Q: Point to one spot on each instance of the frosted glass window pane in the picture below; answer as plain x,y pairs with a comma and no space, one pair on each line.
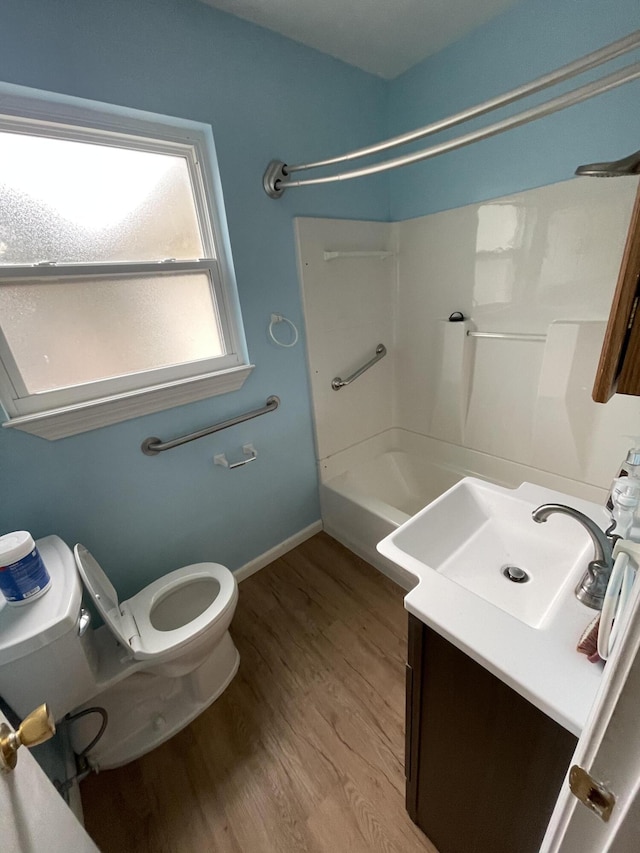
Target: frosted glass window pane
67,202
67,333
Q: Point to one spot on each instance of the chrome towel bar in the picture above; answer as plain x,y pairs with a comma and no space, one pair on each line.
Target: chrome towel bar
507,336
339,383
152,446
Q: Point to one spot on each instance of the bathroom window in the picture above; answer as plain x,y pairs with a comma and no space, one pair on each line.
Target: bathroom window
117,293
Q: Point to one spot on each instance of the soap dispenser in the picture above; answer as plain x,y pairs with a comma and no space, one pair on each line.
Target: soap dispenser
630,467
626,499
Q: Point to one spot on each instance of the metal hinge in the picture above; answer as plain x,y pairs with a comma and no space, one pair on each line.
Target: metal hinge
593,794
129,626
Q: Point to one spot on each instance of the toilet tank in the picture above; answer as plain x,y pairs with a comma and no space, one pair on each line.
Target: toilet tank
43,657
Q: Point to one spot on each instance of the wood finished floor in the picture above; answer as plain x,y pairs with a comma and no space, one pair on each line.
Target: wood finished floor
304,750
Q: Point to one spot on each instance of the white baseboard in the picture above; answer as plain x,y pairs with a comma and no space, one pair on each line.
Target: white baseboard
272,554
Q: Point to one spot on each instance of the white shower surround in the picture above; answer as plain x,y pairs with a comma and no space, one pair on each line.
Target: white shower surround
543,261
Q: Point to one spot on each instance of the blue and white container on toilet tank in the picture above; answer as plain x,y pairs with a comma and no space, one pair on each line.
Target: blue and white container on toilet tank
23,575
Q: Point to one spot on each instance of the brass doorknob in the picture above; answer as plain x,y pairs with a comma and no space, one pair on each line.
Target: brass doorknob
33,730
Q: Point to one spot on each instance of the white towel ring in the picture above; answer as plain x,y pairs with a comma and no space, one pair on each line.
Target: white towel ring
278,318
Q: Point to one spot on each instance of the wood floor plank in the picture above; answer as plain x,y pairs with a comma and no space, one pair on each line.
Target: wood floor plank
304,751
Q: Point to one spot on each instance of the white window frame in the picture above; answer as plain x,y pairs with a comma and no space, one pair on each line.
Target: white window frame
68,411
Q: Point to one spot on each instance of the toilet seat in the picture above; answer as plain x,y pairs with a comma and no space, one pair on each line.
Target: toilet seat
152,642
131,621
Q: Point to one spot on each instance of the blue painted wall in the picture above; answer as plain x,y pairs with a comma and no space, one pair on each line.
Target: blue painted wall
529,40
265,97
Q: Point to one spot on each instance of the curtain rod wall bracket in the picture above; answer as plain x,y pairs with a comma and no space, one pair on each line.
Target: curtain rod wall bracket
274,178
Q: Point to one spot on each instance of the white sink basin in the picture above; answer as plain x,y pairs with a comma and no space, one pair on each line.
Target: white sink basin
524,633
476,530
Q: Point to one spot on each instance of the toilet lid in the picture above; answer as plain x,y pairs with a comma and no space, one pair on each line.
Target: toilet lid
131,621
102,592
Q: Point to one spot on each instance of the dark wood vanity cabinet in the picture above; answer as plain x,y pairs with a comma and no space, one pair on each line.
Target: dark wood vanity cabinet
483,765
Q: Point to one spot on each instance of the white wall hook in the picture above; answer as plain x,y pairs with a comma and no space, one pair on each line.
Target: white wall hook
248,450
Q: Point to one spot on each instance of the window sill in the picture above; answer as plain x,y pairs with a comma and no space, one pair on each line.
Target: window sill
82,417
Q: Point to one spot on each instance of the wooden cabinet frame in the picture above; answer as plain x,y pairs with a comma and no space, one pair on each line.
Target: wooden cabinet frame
619,367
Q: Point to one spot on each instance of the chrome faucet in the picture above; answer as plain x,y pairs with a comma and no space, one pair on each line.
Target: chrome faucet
593,584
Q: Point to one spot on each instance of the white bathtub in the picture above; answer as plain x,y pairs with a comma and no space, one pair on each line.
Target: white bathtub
362,505
368,490
375,495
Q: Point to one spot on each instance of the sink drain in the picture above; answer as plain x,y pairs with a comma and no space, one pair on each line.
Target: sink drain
515,574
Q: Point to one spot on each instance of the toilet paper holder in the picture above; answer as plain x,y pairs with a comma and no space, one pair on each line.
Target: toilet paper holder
248,450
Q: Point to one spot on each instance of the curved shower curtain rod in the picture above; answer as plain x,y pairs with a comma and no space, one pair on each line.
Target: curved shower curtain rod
275,179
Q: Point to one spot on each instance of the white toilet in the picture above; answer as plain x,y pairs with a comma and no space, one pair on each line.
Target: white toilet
158,661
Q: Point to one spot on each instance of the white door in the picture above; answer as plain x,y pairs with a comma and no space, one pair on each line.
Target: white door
609,750
33,816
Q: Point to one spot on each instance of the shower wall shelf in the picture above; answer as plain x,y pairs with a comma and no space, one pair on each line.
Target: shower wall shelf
332,256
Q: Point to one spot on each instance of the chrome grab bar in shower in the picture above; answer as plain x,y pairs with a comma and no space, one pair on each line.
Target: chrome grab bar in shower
152,446
339,383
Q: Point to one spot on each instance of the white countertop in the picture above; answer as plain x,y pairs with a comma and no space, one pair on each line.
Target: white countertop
542,663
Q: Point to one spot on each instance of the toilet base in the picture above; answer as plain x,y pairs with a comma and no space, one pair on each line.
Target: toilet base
146,709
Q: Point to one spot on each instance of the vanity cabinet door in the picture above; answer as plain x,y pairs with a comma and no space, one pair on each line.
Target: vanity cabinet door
484,765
